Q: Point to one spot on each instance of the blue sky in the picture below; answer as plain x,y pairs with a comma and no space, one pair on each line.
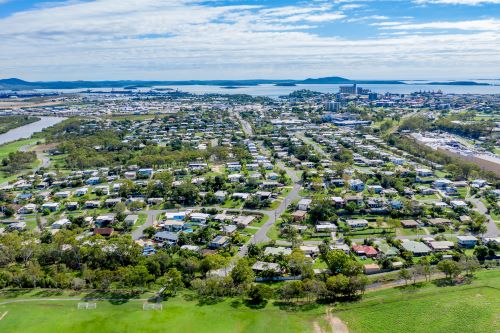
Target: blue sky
211,39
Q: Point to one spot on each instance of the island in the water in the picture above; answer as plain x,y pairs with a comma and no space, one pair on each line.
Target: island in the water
18,84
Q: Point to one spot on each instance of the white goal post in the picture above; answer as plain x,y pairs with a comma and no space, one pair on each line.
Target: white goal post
86,306
152,306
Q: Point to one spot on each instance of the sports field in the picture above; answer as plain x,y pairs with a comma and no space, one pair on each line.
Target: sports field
177,316
467,308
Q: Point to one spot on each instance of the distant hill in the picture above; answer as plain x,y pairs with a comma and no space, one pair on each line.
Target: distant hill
18,84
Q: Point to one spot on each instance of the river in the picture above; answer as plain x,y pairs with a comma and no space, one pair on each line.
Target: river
27,131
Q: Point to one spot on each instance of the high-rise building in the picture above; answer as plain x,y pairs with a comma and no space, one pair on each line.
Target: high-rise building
348,89
332,106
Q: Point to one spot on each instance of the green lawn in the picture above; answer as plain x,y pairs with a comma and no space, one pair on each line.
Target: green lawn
178,315
8,148
14,146
469,308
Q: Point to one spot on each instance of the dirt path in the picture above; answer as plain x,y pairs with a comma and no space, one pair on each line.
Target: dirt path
3,315
336,325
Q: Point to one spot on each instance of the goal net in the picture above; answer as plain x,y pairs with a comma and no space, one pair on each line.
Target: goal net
152,306
86,306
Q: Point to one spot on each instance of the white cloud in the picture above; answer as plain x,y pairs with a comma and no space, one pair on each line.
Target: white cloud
185,39
473,25
351,6
458,2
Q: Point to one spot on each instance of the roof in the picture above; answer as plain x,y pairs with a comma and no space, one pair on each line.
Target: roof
104,231
415,247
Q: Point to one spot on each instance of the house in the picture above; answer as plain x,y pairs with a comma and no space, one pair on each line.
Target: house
51,206
73,205
27,209
178,216
458,204
365,250
441,245
304,204
273,176
467,241
310,250
417,248
338,201
442,183
357,223
439,221
357,199
200,218
386,249
112,202
409,224
326,227
356,185
81,191
261,266
145,173
340,247
93,181
263,195
19,226
233,166
423,172
371,268
299,215
59,224
62,194
92,204
172,225
219,242
220,195
193,248
241,196
375,189
235,177
229,229
243,221
131,219
166,237
276,251
104,220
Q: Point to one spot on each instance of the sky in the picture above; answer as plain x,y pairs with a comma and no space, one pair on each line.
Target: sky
251,39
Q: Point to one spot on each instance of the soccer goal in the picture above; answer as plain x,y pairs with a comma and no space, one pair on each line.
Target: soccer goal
152,306
86,306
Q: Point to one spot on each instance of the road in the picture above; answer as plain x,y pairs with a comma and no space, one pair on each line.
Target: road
45,161
310,142
492,228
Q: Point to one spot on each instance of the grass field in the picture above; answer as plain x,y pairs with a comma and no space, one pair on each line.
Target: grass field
425,308
470,308
178,315
8,148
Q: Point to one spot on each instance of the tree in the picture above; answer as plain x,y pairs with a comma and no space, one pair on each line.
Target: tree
340,263
337,286
405,275
469,264
213,261
149,232
450,268
242,274
34,272
299,264
171,281
481,252
259,293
